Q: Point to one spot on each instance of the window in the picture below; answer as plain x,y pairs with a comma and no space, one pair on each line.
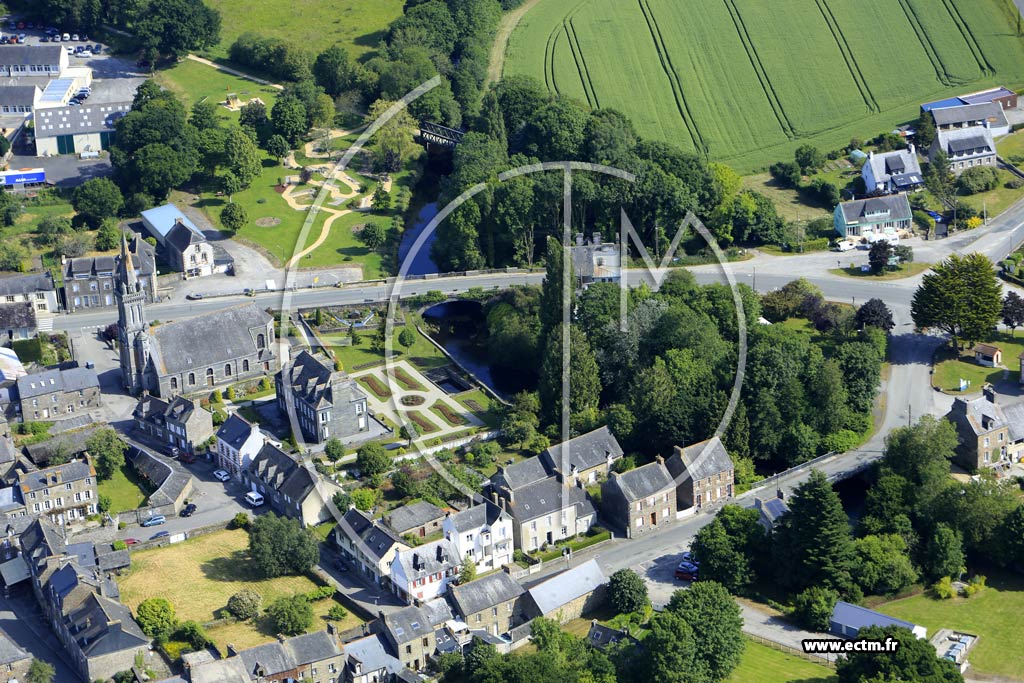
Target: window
174,383
191,378
35,507
261,341
67,487
245,366
479,618
227,370
639,521
494,611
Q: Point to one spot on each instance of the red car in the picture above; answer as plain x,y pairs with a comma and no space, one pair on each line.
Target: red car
131,541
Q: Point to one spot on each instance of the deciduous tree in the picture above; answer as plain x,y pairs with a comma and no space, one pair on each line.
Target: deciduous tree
279,546
96,200
717,626
291,615
373,458
107,451
627,592
156,617
876,313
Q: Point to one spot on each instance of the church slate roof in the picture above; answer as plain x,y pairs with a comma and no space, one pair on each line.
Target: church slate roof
209,340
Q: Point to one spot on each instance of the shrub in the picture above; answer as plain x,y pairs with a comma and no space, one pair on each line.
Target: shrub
155,617
245,604
786,173
336,613
977,179
120,545
320,593
976,586
291,615
943,589
813,608
240,521
1014,184
193,634
104,503
121,526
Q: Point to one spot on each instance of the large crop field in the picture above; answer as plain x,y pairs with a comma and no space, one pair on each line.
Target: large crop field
747,81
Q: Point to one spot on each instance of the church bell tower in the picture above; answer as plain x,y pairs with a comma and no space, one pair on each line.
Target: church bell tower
132,327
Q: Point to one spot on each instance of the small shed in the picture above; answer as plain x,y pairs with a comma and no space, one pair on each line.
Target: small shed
848,619
988,355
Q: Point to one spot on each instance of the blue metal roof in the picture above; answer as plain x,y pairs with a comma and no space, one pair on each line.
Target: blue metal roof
163,218
57,89
855,616
942,104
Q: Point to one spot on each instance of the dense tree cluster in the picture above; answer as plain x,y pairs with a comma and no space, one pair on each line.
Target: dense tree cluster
279,546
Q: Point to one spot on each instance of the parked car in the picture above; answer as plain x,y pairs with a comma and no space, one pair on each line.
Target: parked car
193,297
689,557
85,54
44,39
131,541
188,510
66,36
687,571
74,103
70,50
155,520
254,499
74,36
97,48
159,534
221,475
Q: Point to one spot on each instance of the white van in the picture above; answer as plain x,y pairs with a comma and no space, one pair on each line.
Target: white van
845,245
254,499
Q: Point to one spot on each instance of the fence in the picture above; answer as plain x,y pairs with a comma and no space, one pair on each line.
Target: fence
823,660
792,470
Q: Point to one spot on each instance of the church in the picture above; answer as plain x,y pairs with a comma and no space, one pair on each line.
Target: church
188,356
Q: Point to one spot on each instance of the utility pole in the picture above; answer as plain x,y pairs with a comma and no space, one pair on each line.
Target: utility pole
910,415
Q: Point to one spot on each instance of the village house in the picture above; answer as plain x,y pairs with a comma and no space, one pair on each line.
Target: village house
862,218
771,510
704,473
988,355
35,288
989,434
90,281
185,246
57,393
293,488
238,442
595,261
178,423
17,321
62,493
14,661
640,500
568,595
315,657
492,603
420,519
367,660
326,403
965,147
888,172
424,572
370,547
583,459
483,534
413,632
984,114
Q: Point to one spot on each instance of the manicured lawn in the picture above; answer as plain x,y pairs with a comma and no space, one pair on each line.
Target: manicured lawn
480,403
199,575
949,369
903,271
1011,145
788,202
422,353
315,25
994,615
193,81
125,489
762,664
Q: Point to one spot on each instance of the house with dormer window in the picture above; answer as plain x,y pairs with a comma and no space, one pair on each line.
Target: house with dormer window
873,216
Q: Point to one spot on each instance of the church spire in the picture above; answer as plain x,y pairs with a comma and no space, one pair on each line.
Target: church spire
127,275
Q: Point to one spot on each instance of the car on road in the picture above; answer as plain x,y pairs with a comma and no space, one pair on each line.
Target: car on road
194,297
159,534
154,521
254,499
687,571
131,541
188,510
174,452
221,475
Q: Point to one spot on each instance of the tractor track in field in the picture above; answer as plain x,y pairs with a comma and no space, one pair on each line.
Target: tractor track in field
848,57
549,60
673,78
580,59
969,38
762,73
926,44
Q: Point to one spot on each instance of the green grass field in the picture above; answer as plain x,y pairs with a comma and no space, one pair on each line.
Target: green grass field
357,25
125,490
950,369
994,615
193,81
762,664
775,75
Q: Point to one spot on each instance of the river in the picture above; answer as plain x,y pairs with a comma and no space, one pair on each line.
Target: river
422,263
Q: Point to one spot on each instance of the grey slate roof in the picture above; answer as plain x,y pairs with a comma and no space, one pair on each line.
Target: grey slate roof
71,442
153,409
373,654
429,558
27,55
859,617
521,473
979,414
964,139
270,659
701,460
313,379
1014,415
563,588
892,208
10,652
26,284
970,113
312,647
547,496
281,472
50,381
481,594
181,237
890,165
75,470
477,516
211,339
642,482
95,118
412,622
376,539
18,95
230,670
406,518
235,430
108,625
583,452
18,316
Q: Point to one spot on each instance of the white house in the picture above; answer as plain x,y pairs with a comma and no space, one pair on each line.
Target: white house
897,171
482,533
965,147
238,442
425,572
185,245
33,60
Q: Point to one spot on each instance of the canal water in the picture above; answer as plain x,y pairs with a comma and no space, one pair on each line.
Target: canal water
422,263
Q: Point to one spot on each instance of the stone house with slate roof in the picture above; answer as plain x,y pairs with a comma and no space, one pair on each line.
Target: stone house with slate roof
90,281
367,660
192,355
424,572
704,473
35,288
569,594
640,500
897,171
327,403
967,115
178,423
17,321
412,632
965,147
492,603
14,661
483,533
62,493
872,216
238,442
989,434
421,519
771,510
293,488
587,457
369,546
185,246
58,393
315,657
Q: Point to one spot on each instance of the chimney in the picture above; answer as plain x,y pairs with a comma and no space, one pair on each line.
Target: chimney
597,239
780,494
579,239
232,652
871,155
416,561
494,497
910,147
758,503
332,630
989,392
660,460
